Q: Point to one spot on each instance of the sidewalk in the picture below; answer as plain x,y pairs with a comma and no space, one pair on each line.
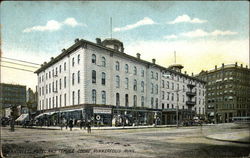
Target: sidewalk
237,137
99,128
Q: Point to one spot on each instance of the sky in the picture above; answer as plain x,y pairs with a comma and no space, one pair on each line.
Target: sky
203,34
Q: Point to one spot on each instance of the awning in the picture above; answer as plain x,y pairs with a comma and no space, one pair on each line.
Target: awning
42,114
70,110
22,117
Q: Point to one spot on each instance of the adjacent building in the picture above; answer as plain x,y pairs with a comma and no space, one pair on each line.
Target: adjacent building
227,91
12,95
100,82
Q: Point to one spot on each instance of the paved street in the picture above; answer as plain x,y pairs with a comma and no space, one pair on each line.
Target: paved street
187,142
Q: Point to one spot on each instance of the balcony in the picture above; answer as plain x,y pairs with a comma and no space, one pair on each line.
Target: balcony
190,103
191,86
191,94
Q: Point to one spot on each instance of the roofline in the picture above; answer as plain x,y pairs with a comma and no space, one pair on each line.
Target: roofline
82,43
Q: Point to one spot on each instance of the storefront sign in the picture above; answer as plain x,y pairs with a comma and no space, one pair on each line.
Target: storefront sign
100,110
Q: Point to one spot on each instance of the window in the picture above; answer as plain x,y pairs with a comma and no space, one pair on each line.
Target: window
78,59
60,84
177,97
156,103
142,73
152,102
163,95
103,97
73,78
126,100
135,100
73,98
178,86
135,85
60,100
142,86
142,101
103,78
156,89
60,68
64,66
49,103
78,76
172,96
53,102
53,73
167,84
103,62
50,88
172,86
56,85
46,89
93,58
78,96
183,98
126,83
152,88
64,81
117,81
135,70
53,87
49,74
73,61
126,68
162,106
117,66
94,96
93,76
117,99
65,99
46,76
156,76
162,84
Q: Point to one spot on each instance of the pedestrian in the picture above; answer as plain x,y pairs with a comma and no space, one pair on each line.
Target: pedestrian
70,124
89,126
81,124
67,123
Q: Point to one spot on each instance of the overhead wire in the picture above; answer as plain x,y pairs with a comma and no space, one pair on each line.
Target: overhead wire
20,60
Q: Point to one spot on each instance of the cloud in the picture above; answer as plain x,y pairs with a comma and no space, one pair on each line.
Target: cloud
202,33
170,37
144,21
187,19
193,55
53,25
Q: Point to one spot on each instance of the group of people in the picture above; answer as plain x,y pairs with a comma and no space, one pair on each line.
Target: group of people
70,123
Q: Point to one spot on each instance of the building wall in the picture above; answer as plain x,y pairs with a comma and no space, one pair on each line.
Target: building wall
85,66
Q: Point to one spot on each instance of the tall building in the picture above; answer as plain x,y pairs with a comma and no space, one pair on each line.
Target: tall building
12,95
99,81
228,92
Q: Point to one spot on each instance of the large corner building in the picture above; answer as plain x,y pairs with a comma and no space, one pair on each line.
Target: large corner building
99,81
228,92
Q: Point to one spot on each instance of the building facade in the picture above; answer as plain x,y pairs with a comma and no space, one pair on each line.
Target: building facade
228,92
12,96
98,81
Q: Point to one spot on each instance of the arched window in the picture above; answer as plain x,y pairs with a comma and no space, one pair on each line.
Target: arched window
135,100
73,78
126,100
94,96
93,58
93,76
78,76
117,66
73,61
135,85
135,70
117,79
103,62
103,78
142,101
126,68
103,97
117,99
142,86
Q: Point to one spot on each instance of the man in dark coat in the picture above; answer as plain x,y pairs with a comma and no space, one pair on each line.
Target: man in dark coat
70,124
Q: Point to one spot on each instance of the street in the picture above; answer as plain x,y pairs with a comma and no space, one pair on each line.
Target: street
172,142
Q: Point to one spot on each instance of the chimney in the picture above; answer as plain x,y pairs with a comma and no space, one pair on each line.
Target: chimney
98,41
241,65
236,64
138,55
222,65
215,67
192,74
52,58
185,72
153,61
76,40
44,63
246,66
63,50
